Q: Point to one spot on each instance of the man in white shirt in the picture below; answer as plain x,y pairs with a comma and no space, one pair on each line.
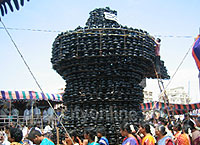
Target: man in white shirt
37,112
45,116
15,114
26,115
24,130
51,115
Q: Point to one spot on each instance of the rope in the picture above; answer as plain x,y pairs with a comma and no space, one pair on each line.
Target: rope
164,88
33,76
178,67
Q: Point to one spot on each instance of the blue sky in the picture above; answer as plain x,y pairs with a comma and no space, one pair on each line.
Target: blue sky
158,17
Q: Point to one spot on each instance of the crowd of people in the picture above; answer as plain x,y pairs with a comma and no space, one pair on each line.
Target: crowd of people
30,115
154,132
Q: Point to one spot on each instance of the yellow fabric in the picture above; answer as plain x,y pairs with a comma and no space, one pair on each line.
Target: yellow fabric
148,140
15,143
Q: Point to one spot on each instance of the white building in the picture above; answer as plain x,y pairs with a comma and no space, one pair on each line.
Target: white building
148,96
177,96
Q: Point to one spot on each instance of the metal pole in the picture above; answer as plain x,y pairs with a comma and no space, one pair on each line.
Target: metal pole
9,111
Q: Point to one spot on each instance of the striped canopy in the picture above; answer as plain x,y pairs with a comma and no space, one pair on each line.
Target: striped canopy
177,108
29,95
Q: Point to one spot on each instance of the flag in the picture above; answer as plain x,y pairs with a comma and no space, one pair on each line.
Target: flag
196,54
196,51
110,16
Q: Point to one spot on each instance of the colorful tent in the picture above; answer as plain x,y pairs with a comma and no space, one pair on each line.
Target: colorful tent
29,95
176,108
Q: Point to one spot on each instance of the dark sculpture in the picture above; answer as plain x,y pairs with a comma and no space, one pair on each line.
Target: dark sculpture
103,65
9,3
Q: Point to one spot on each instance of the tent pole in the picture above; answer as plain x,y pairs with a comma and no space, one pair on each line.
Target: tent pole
9,111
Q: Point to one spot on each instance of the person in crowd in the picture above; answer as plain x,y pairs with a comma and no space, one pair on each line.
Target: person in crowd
89,137
33,127
157,53
177,128
15,136
163,139
135,131
15,114
186,117
12,124
3,140
50,113
169,130
4,112
45,116
26,115
24,130
102,136
37,112
184,138
47,130
71,141
148,139
7,131
37,127
168,127
197,121
126,130
37,138
195,132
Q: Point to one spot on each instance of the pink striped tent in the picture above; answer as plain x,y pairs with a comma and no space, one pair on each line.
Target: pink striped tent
29,95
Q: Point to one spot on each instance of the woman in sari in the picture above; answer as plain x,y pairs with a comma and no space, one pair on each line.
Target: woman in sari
148,139
126,130
164,139
177,128
184,138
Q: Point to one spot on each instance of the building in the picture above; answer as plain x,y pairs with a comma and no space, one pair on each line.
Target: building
177,96
148,96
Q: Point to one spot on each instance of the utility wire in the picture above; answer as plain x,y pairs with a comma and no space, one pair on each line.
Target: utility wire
29,29
59,31
33,76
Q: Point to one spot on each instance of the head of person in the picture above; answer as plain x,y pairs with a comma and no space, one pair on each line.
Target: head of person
177,126
197,121
15,135
35,136
186,129
170,127
126,128
101,132
73,135
190,123
86,133
30,126
2,137
158,40
186,116
12,124
162,121
160,130
89,133
144,128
